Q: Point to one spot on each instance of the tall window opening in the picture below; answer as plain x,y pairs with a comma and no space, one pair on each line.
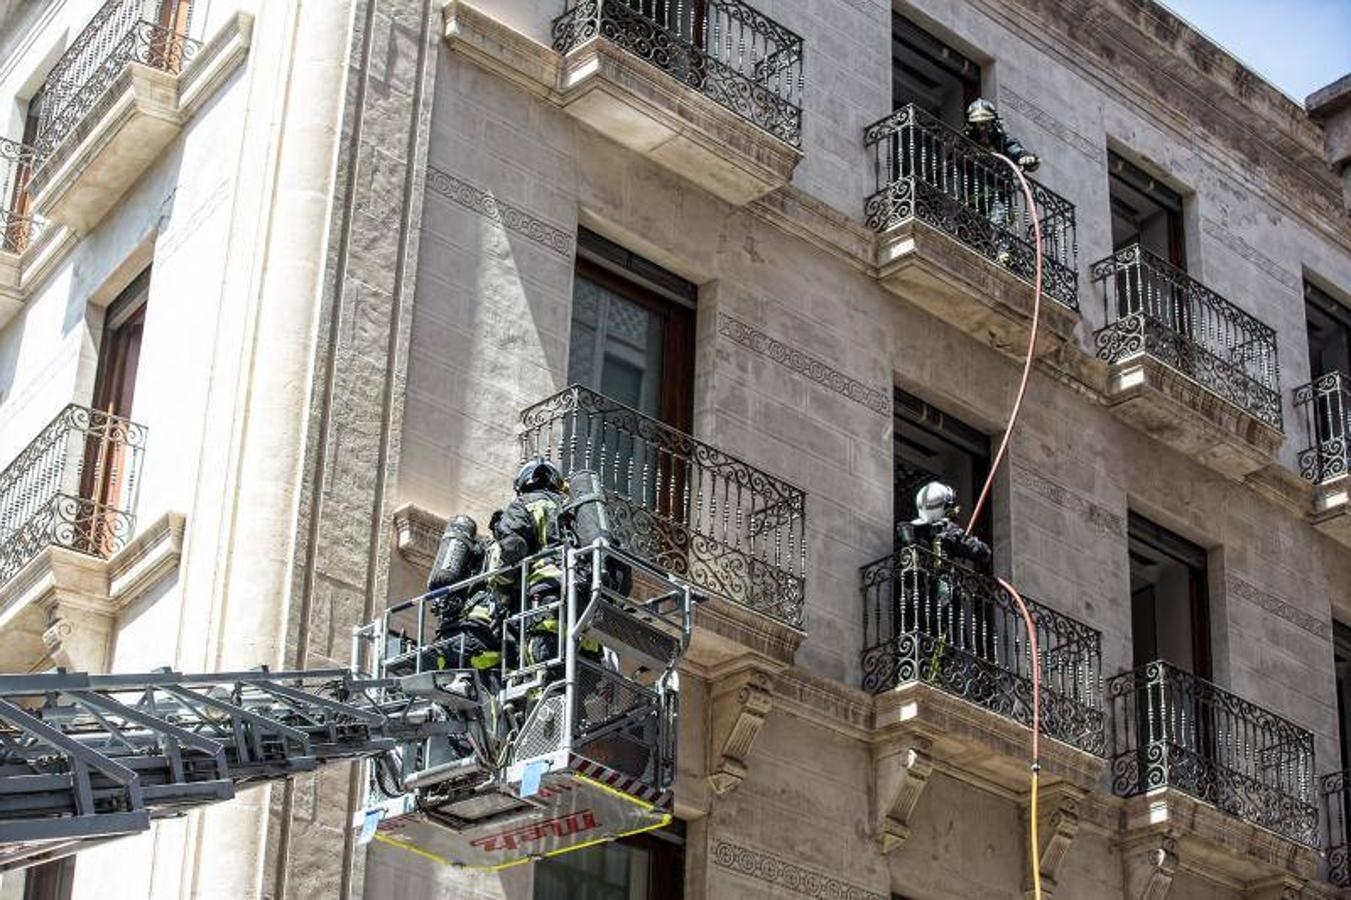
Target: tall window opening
1145,212
632,331
1329,330
1169,603
930,445
928,73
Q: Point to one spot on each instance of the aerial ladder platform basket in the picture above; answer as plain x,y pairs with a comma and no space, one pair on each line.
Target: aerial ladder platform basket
548,755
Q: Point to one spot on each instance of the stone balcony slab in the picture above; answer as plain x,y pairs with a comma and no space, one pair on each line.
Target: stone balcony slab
1179,412
1166,830
142,110
633,102
1332,509
936,272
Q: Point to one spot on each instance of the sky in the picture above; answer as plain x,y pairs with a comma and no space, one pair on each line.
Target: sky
1297,45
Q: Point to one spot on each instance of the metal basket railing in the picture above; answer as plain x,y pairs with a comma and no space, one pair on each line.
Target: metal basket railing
1154,308
926,170
934,620
724,49
19,227
1173,729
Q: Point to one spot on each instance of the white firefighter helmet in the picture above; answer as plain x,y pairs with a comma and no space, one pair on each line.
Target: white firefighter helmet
933,502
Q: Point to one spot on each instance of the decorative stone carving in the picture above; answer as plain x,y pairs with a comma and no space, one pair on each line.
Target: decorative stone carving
901,771
1057,826
1150,868
740,703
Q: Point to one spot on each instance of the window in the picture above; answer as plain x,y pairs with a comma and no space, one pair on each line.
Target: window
649,866
50,880
632,331
103,475
931,445
1341,655
1329,329
1145,212
930,74
1169,603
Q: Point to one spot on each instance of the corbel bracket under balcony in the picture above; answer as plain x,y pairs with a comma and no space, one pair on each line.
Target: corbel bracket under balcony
1057,826
740,702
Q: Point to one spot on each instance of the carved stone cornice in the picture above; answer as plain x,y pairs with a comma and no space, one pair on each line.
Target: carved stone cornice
739,704
1141,54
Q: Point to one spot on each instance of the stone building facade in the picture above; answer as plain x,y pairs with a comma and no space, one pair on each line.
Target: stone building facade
314,276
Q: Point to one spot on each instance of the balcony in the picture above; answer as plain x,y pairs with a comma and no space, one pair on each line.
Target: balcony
116,98
74,486
735,532
1232,781
712,91
18,226
1335,788
956,235
1325,404
1187,366
949,656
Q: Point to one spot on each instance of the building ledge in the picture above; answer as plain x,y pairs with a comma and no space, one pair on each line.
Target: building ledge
61,607
1179,412
940,275
1332,509
141,112
1165,830
633,102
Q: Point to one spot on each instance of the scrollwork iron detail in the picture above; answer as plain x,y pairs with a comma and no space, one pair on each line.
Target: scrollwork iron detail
1172,729
932,620
930,172
702,514
1325,404
731,53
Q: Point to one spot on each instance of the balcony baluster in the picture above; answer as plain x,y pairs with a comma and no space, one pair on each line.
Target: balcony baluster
724,49
697,512
1156,309
925,170
73,486
1173,729
936,621
1326,404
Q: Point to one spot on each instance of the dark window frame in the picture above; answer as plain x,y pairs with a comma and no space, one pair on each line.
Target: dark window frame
663,294
1124,174
924,49
1155,538
1318,303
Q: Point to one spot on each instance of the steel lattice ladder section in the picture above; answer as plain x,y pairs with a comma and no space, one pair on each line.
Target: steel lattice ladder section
88,758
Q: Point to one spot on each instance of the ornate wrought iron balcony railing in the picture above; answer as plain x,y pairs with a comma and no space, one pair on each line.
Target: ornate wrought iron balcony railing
724,49
18,226
925,170
122,32
697,512
1172,729
73,486
933,620
1326,404
1156,309
1335,789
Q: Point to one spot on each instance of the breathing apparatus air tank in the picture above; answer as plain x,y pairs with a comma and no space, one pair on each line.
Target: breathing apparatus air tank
590,521
459,555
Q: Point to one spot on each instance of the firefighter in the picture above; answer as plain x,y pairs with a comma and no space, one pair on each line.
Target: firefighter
528,525
935,530
468,618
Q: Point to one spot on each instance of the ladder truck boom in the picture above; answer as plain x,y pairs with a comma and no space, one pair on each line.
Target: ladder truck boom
541,757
